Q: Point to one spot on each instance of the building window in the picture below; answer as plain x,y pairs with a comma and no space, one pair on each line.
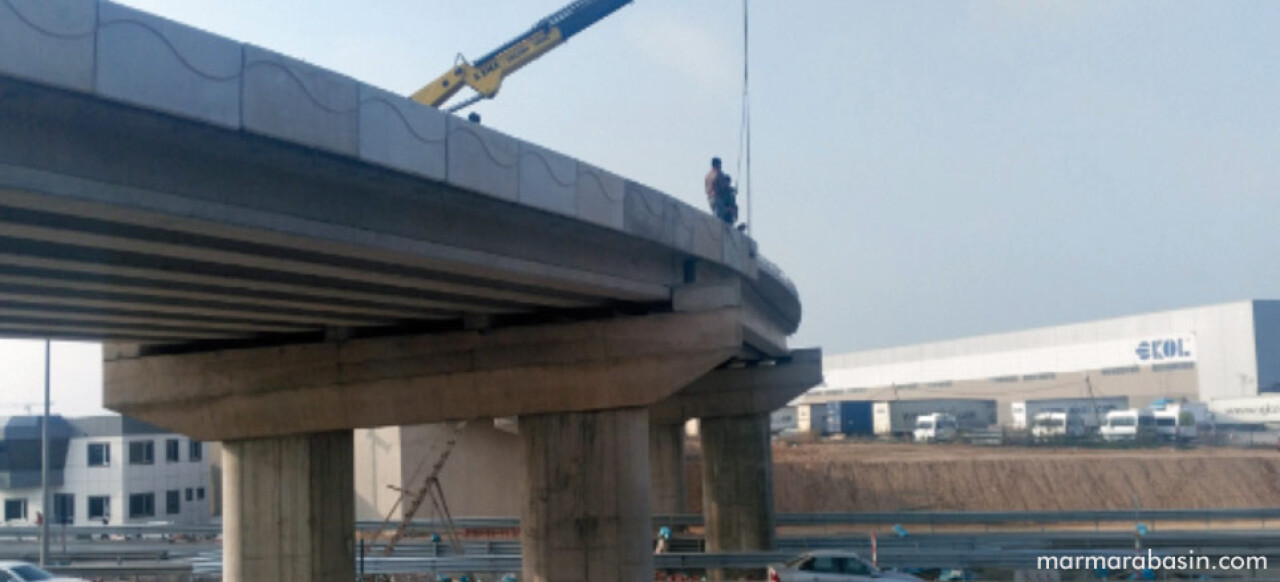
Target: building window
190,494
1172,366
171,449
199,493
142,505
100,508
99,454
173,502
15,509
197,451
1119,371
1004,379
142,453
64,509
1041,376
943,384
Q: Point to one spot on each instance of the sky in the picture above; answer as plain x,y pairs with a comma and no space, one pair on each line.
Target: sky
921,170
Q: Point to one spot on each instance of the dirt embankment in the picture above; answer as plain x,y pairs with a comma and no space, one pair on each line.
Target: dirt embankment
832,477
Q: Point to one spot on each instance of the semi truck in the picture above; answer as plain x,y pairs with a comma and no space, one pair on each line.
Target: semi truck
1181,421
1091,411
783,420
1261,410
850,418
897,418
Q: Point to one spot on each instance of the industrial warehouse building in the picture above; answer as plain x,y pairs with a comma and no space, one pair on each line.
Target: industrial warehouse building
1218,352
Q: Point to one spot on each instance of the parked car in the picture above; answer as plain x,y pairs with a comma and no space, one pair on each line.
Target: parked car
24,572
833,566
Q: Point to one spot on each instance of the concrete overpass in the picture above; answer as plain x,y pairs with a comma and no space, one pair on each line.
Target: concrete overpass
277,254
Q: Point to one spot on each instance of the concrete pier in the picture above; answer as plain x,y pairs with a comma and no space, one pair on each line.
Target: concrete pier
737,487
586,513
289,508
666,466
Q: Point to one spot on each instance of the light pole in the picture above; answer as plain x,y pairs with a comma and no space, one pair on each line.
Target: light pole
44,464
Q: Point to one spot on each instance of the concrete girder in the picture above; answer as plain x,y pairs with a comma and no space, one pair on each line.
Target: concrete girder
403,380
124,281
245,266
734,391
765,331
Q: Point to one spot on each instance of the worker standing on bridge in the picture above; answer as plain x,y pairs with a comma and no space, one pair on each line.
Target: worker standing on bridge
721,194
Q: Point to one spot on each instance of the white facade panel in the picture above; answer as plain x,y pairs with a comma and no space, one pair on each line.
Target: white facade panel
1266,330
1230,369
1138,350
84,481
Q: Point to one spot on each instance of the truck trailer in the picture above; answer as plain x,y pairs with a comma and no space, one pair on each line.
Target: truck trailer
1090,410
850,418
783,420
1257,411
897,418
811,419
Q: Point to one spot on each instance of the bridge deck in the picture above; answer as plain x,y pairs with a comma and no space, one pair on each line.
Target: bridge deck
160,184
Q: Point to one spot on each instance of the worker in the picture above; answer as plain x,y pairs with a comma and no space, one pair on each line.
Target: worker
664,540
721,195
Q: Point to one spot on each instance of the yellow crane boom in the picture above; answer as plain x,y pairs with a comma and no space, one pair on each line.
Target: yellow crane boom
486,74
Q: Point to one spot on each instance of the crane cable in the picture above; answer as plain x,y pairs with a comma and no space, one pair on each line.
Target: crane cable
744,130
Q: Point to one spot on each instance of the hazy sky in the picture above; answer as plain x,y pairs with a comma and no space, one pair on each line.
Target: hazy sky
923,170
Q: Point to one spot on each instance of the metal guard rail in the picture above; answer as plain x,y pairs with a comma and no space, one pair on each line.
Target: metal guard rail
786,519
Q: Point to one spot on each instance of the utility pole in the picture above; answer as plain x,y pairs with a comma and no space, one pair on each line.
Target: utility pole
44,464
1093,401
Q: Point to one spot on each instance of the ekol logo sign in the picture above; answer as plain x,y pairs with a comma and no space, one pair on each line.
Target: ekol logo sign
1162,349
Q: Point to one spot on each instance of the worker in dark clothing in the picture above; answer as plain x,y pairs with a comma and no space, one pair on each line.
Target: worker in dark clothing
721,194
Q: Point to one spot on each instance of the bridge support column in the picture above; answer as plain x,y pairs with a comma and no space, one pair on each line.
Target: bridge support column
737,487
289,508
666,466
586,511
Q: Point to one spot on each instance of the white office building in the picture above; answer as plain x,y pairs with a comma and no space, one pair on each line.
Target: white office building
106,469
1217,352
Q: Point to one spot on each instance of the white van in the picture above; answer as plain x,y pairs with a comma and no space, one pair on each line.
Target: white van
936,427
1174,425
1057,425
1131,424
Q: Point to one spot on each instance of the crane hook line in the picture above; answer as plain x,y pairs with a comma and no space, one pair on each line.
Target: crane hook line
744,131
